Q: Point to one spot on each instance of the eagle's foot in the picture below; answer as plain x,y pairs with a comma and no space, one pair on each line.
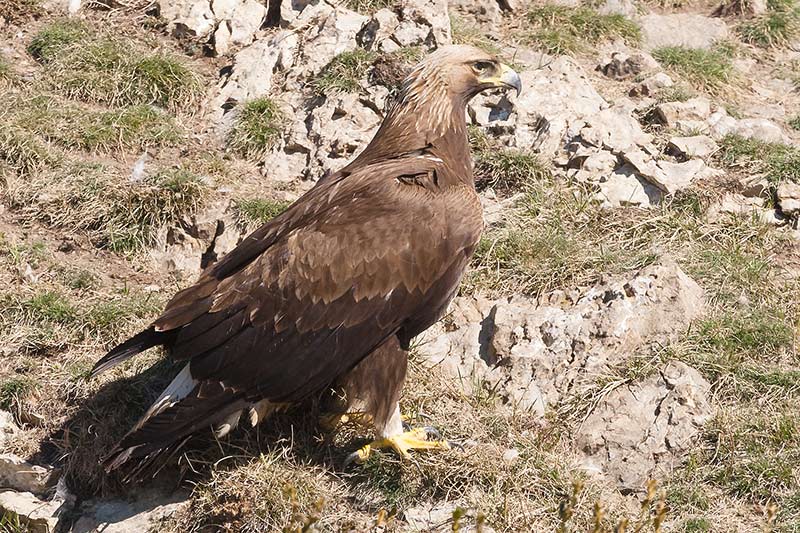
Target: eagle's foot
426,438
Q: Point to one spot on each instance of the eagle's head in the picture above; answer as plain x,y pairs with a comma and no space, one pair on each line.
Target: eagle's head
458,72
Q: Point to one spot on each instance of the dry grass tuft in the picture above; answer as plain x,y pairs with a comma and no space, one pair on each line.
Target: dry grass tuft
112,72
76,126
560,29
53,38
777,162
258,211
710,70
257,129
344,72
20,10
120,215
779,26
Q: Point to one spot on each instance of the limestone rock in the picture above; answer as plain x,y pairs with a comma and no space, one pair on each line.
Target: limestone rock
197,241
743,206
144,513
651,85
237,23
646,426
695,109
533,353
20,475
253,69
430,14
38,516
484,13
695,146
193,18
788,195
624,188
761,129
556,97
681,29
7,428
614,129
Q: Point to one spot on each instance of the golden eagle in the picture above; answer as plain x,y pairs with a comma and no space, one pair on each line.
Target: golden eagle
331,291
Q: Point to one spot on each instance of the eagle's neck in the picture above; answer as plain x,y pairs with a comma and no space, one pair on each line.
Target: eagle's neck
426,120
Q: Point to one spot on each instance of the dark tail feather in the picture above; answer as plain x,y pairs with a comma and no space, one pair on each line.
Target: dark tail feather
136,344
161,435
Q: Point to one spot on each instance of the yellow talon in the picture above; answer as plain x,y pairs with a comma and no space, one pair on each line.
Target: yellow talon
415,439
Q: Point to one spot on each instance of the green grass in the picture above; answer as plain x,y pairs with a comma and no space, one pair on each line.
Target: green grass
259,210
13,388
367,7
779,26
696,525
560,29
344,72
794,122
756,456
75,126
6,72
53,38
710,70
117,214
508,171
116,73
777,162
23,152
257,128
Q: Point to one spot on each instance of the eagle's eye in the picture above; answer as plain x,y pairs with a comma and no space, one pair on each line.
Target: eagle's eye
481,67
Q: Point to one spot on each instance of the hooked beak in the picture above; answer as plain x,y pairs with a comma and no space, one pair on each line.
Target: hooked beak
507,77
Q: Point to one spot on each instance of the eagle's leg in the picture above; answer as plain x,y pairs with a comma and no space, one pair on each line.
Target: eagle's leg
372,389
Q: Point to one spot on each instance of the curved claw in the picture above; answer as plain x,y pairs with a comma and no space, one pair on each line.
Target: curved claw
432,433
457,445
357,457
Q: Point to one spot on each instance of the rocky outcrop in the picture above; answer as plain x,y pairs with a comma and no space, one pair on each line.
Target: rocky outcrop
534,352
645,428
537,355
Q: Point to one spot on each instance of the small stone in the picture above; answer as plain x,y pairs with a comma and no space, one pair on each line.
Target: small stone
694,109
510,455
788,195
695,146
650,85
38,516
20,475
760,129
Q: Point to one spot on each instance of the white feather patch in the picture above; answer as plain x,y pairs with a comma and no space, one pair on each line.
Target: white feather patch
178,389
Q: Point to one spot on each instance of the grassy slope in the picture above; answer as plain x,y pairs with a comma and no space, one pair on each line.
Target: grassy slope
73,284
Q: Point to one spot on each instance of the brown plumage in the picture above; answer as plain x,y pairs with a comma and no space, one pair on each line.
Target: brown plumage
332,290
